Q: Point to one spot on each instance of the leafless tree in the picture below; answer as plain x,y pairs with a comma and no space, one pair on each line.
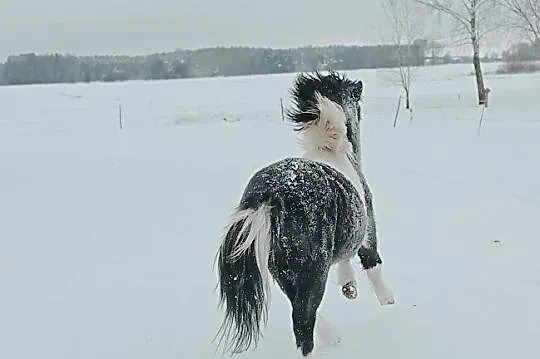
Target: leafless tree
474,20
404,26
526,16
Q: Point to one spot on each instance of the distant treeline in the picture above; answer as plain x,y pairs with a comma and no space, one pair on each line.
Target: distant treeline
221,61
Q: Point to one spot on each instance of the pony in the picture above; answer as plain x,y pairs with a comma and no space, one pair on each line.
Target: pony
300,216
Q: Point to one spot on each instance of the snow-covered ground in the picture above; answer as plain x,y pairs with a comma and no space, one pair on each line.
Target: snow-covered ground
107,237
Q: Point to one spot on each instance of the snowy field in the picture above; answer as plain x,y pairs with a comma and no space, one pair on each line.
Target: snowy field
107,236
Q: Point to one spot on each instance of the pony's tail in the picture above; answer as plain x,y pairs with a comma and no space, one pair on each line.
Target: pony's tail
328,131
244,281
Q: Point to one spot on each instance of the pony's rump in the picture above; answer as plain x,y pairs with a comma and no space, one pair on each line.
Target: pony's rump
300,216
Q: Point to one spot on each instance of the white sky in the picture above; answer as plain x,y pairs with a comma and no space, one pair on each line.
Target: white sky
145,26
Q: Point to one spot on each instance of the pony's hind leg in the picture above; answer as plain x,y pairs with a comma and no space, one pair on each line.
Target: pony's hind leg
305,290
346,279
372,263
304,314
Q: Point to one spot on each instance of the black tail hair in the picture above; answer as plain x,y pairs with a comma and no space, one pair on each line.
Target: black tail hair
241,291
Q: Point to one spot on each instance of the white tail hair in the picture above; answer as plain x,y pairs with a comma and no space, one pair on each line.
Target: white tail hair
328,131
258,226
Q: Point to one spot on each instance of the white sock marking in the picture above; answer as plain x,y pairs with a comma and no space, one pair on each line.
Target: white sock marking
345,273
383,293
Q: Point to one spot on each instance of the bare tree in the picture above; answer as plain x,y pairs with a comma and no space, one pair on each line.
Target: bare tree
404,25
473,20
526,16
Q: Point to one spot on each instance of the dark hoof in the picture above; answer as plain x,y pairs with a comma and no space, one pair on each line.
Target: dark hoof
349,290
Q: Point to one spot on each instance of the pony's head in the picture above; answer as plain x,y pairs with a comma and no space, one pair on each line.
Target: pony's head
309,89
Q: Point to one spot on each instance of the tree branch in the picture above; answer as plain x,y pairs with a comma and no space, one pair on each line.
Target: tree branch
438,6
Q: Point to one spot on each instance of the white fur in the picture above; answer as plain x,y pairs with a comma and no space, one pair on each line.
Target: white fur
257,223
327,133
383,293
325,140
345,273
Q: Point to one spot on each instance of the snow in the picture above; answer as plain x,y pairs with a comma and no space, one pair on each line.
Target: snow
107,237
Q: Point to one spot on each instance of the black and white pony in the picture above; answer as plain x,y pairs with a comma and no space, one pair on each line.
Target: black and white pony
300,216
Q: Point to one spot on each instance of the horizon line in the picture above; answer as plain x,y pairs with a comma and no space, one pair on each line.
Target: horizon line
193,49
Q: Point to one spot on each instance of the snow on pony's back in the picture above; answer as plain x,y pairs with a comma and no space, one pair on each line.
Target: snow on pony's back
324,218
327,115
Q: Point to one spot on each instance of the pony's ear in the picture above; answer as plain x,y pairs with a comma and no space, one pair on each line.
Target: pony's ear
357,88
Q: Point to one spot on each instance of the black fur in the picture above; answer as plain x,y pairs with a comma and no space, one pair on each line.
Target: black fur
334,86
242,294
317,219
337,88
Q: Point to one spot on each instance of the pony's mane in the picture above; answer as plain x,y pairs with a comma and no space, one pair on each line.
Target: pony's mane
307,90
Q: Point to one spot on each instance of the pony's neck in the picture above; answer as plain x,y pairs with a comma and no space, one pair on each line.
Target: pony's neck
354,152
356,160
344,161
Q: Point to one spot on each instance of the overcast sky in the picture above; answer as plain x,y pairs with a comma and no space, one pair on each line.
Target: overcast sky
141,26
144,26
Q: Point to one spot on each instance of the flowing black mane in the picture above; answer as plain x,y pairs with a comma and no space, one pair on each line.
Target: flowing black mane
334,86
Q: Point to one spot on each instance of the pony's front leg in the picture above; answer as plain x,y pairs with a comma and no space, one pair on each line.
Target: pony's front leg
372,263
346,279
